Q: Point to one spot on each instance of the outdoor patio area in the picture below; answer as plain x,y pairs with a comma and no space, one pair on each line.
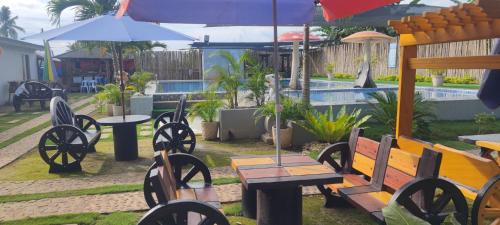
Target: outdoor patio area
314,113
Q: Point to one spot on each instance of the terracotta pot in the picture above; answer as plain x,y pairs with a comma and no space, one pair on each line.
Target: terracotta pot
209,130
437,80
117,110
285,137
109,109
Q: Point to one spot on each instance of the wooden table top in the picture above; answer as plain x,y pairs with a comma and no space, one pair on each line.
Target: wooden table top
261,172
489,141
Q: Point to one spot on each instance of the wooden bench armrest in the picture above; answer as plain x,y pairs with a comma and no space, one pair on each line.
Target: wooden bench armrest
495,146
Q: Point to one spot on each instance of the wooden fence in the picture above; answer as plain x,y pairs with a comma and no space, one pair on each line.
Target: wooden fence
171,65
347,57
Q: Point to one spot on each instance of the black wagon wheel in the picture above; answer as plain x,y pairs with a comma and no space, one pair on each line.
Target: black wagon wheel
87,123
334,156
486,207
176,213
63,145
175,137
433,200
186,167
168,117
148,189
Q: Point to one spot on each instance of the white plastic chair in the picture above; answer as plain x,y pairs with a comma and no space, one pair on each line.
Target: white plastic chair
91,85
84,85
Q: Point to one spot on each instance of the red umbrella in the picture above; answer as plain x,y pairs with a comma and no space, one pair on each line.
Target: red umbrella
336,9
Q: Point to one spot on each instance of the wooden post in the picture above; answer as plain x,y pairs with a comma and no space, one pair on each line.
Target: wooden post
305,66
406,91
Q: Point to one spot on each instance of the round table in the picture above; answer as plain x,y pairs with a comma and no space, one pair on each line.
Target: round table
125,135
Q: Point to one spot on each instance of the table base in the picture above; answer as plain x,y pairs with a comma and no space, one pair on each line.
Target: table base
125,142
249,202
279,206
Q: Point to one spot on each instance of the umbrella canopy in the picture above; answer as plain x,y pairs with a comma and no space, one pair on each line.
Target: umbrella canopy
110,28
243,12
297,36
367,36
49,68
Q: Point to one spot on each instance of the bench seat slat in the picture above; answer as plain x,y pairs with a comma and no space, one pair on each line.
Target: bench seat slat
350,180
366,202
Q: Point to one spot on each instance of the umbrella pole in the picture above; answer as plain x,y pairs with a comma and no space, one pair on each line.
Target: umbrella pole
276,84
122,84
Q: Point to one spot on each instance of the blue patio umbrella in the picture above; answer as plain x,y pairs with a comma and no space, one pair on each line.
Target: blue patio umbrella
112,29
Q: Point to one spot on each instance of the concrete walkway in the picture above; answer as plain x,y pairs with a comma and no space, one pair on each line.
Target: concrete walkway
12,152
130,201
10,133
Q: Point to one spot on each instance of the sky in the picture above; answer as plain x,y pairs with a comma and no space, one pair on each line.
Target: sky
33,18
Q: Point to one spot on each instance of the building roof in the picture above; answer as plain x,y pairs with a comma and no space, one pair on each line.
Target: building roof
84,54
20,44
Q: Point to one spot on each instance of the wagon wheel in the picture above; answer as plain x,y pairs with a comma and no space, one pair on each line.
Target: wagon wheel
176,213
329,156
87,123
175,137
185,167
63,145
432,200
149,191
168,117
486,207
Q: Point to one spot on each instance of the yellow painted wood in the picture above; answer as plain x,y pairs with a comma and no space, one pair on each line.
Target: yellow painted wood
471,195
308,170
251,162
465,168
403,161
382,196
363,164
466,62
489,145
406,92
412,145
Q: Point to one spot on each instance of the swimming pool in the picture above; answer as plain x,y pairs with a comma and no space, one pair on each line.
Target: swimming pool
324,92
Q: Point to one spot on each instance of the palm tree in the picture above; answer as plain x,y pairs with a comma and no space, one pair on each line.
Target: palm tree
84,9
8,26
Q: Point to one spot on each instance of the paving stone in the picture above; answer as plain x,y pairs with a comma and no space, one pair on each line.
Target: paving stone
36,113
3,114
146,128
105,136
107,130
13,121
145,133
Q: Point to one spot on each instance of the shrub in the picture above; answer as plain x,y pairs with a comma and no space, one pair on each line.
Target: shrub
330,67
140,80
485,122
291,110
421,78
461,80
388,78
330,128
385,112
343,76
229,79
256,83
207,110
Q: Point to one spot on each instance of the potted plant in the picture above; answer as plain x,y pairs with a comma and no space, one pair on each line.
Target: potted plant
437,77
140,103
290,110
207,110
329,70
113,94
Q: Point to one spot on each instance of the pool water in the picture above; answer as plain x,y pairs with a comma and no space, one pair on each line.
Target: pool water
325,92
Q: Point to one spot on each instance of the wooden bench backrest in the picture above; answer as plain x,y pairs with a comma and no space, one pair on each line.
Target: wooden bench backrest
363,152
38,90
466,169
163,178
413,145
180,108
61,112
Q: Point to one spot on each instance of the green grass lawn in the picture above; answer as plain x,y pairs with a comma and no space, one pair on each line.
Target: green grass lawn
422,84
313,214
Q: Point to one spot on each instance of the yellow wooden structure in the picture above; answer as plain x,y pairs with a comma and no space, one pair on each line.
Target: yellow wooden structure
478,178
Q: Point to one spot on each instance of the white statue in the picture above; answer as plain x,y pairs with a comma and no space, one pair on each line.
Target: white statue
272,87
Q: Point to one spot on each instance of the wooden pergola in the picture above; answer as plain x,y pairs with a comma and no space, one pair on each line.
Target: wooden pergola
465,22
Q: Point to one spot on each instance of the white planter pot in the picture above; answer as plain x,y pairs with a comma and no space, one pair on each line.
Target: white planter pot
209,130
109,109
285,137
437,80
269,123
117,110
141,104
330,76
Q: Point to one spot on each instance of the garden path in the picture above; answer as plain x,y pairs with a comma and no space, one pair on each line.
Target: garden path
130,201
15,150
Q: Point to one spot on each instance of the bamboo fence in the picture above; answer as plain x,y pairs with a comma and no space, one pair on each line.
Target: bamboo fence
171,65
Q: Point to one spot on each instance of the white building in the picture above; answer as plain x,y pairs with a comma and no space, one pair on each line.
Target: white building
17,63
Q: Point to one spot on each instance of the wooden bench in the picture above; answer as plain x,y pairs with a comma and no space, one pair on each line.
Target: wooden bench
32,91
69,140
477,178
173,197
172,131
394,175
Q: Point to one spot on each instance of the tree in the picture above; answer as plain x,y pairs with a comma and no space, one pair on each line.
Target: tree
8,26
84,9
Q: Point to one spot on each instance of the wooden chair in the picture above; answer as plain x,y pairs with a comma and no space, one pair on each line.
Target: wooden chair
174,199
477,178
36,92
172,131
71,137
